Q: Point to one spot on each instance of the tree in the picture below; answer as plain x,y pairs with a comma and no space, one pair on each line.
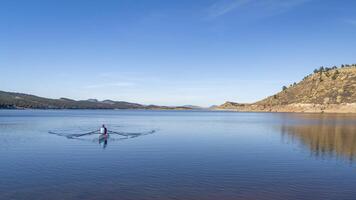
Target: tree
284,87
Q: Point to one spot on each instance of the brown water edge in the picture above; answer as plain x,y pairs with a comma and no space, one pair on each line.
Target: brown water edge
294,108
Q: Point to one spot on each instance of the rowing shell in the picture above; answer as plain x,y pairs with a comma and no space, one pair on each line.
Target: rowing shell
103,137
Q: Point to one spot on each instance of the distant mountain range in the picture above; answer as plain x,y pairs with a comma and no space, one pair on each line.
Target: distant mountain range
11,100
326,90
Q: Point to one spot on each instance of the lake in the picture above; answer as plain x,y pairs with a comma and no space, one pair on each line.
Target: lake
176,155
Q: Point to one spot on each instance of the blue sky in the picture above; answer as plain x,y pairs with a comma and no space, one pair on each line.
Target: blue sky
170,52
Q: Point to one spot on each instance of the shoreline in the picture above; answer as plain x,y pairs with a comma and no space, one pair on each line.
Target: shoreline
346,108
201,110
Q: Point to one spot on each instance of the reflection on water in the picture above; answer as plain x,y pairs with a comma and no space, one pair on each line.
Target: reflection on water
103,140
325,137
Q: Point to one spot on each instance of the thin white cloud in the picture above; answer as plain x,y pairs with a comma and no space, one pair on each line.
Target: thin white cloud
223,7
261,7
105,75
105,85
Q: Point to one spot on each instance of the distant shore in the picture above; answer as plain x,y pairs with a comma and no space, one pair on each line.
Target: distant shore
13,100
169,108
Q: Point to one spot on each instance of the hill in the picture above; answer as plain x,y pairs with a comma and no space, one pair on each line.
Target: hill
11,100
326,90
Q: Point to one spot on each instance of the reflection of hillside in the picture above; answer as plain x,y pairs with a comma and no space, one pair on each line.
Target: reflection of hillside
324,139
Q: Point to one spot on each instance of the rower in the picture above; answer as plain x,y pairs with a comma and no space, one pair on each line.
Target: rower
103,130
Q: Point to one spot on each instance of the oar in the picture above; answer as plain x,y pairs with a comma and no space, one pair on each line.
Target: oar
73,135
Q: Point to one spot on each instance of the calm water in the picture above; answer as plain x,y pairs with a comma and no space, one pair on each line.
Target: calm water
188,155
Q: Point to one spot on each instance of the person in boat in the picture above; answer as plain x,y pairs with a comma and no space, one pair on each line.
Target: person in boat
103,138
103,130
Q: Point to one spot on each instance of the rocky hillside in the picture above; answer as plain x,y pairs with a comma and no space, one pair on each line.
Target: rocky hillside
11,100
230,105
326,90
333,86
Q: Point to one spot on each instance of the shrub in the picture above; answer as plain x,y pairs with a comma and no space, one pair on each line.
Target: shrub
336,73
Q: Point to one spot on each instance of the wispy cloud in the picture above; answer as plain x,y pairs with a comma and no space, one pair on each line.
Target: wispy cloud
223,7
105,85
264,7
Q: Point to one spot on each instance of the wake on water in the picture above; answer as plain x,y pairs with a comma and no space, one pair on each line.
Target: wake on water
94,135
